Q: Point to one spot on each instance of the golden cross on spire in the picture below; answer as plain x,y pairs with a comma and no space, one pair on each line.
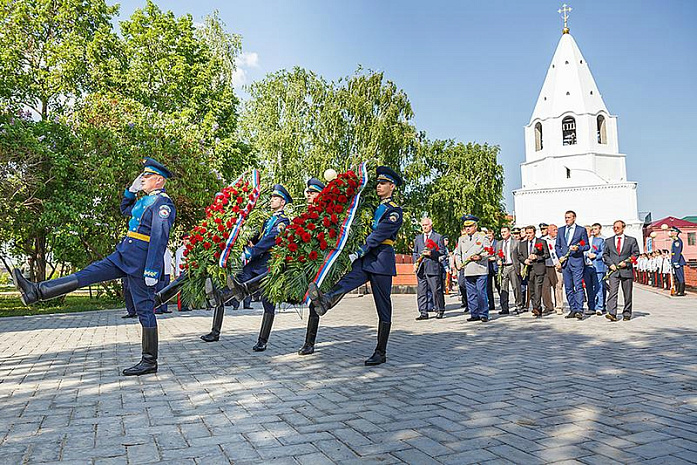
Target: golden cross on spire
564,11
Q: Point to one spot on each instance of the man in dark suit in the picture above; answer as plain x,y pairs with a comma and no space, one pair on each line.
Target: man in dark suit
620,251
532,253
428,271
572,241
509,266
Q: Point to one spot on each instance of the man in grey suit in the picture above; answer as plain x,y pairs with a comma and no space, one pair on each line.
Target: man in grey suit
508,264
428,271
532,253
618,254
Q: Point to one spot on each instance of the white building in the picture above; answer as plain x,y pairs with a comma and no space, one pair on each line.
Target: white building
572,157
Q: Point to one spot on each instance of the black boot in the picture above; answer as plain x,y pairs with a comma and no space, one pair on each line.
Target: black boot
266,324
322,302
218,315
30,292
380,354
148,362
219,296
311,334
247,288
170,290
680,288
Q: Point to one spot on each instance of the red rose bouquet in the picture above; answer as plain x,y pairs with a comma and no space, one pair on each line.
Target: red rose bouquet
231,212
310,246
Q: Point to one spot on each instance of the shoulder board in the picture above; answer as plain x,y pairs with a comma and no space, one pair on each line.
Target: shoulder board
393,204
163,194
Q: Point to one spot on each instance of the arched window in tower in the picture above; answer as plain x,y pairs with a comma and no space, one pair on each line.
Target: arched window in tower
568,130
538,137
602,130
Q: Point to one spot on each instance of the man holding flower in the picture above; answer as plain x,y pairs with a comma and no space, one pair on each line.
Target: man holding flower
572,241
428,248
532,254
620,254
471,256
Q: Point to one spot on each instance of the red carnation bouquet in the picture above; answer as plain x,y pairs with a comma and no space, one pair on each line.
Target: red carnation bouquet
208,239
501,257
581,243
430,245
525,271
302,248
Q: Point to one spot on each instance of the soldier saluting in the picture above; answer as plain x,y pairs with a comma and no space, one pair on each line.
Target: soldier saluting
138,258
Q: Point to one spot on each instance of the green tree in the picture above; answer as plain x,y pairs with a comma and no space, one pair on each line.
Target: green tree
449,179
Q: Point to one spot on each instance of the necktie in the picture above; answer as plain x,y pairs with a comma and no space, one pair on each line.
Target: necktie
505,247
566,234
619,245
529,247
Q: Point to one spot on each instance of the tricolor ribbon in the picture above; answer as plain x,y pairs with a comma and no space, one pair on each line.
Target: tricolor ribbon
332,256
237,228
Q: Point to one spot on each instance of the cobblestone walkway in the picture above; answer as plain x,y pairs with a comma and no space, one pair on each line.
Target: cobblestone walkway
514,390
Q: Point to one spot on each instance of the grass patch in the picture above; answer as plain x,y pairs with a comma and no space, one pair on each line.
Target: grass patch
10,305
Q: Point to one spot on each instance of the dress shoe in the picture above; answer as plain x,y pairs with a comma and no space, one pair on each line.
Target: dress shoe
598,312
130,316
463,305
536,312
626,318
570,315
504,312
260,346
579,316
421,317
473,318
484,319
611,317
210,337
440,315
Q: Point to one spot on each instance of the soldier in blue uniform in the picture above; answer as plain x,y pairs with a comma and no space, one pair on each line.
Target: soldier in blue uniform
138,258
256,257
677,260
374,261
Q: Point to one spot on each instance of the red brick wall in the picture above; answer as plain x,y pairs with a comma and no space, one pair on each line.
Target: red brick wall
691,276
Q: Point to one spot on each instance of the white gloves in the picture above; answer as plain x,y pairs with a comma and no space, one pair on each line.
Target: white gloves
353,257
243,258
137,184
150,282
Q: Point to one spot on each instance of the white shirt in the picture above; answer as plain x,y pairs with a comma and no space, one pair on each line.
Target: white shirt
179,260
168,268
570,230
623,239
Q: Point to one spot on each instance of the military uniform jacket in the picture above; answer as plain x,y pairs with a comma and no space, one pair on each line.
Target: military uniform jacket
142,251
259,254
378,253
467,246
676,257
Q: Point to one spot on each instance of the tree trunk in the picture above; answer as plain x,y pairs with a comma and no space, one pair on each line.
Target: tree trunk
39,264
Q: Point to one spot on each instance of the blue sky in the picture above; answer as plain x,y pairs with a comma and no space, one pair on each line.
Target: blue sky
473,69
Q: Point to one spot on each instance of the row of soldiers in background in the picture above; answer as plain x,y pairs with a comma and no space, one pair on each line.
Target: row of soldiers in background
662,268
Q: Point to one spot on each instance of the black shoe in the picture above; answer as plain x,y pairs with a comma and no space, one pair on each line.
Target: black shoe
463,305
421,317
307,349
130,316
570,315
322,302
626,318
611,317
473,318
536,312
264,332
210,337
148,362
579,316
440,315
484,319
504,312
379,356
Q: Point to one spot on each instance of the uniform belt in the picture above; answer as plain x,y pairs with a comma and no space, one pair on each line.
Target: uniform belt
387,242
139,236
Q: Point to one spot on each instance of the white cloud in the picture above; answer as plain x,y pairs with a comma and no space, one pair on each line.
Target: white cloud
244,62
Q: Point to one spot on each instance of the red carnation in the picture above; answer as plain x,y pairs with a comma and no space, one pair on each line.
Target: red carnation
320,236
582,242
293,247
204,224
501,254
279,239
221,246
432,245
306,237
314,215
239,200
335,219
206,245
539,247
350,191
301,258
186,252
332,233
311,226
251,196
313,255
216,255
289,258
343,199
216,239
199,237
323,245
226,235
326,222
221,228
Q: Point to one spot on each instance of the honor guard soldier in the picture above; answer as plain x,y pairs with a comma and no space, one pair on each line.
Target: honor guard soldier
255,259
138,258
314,187
374,261
678,261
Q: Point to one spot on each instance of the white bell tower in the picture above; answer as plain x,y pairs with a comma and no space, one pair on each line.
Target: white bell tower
572,158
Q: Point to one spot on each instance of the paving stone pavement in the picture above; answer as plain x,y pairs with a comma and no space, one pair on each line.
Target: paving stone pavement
514,390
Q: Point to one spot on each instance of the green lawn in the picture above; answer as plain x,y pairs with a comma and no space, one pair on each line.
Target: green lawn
10,305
